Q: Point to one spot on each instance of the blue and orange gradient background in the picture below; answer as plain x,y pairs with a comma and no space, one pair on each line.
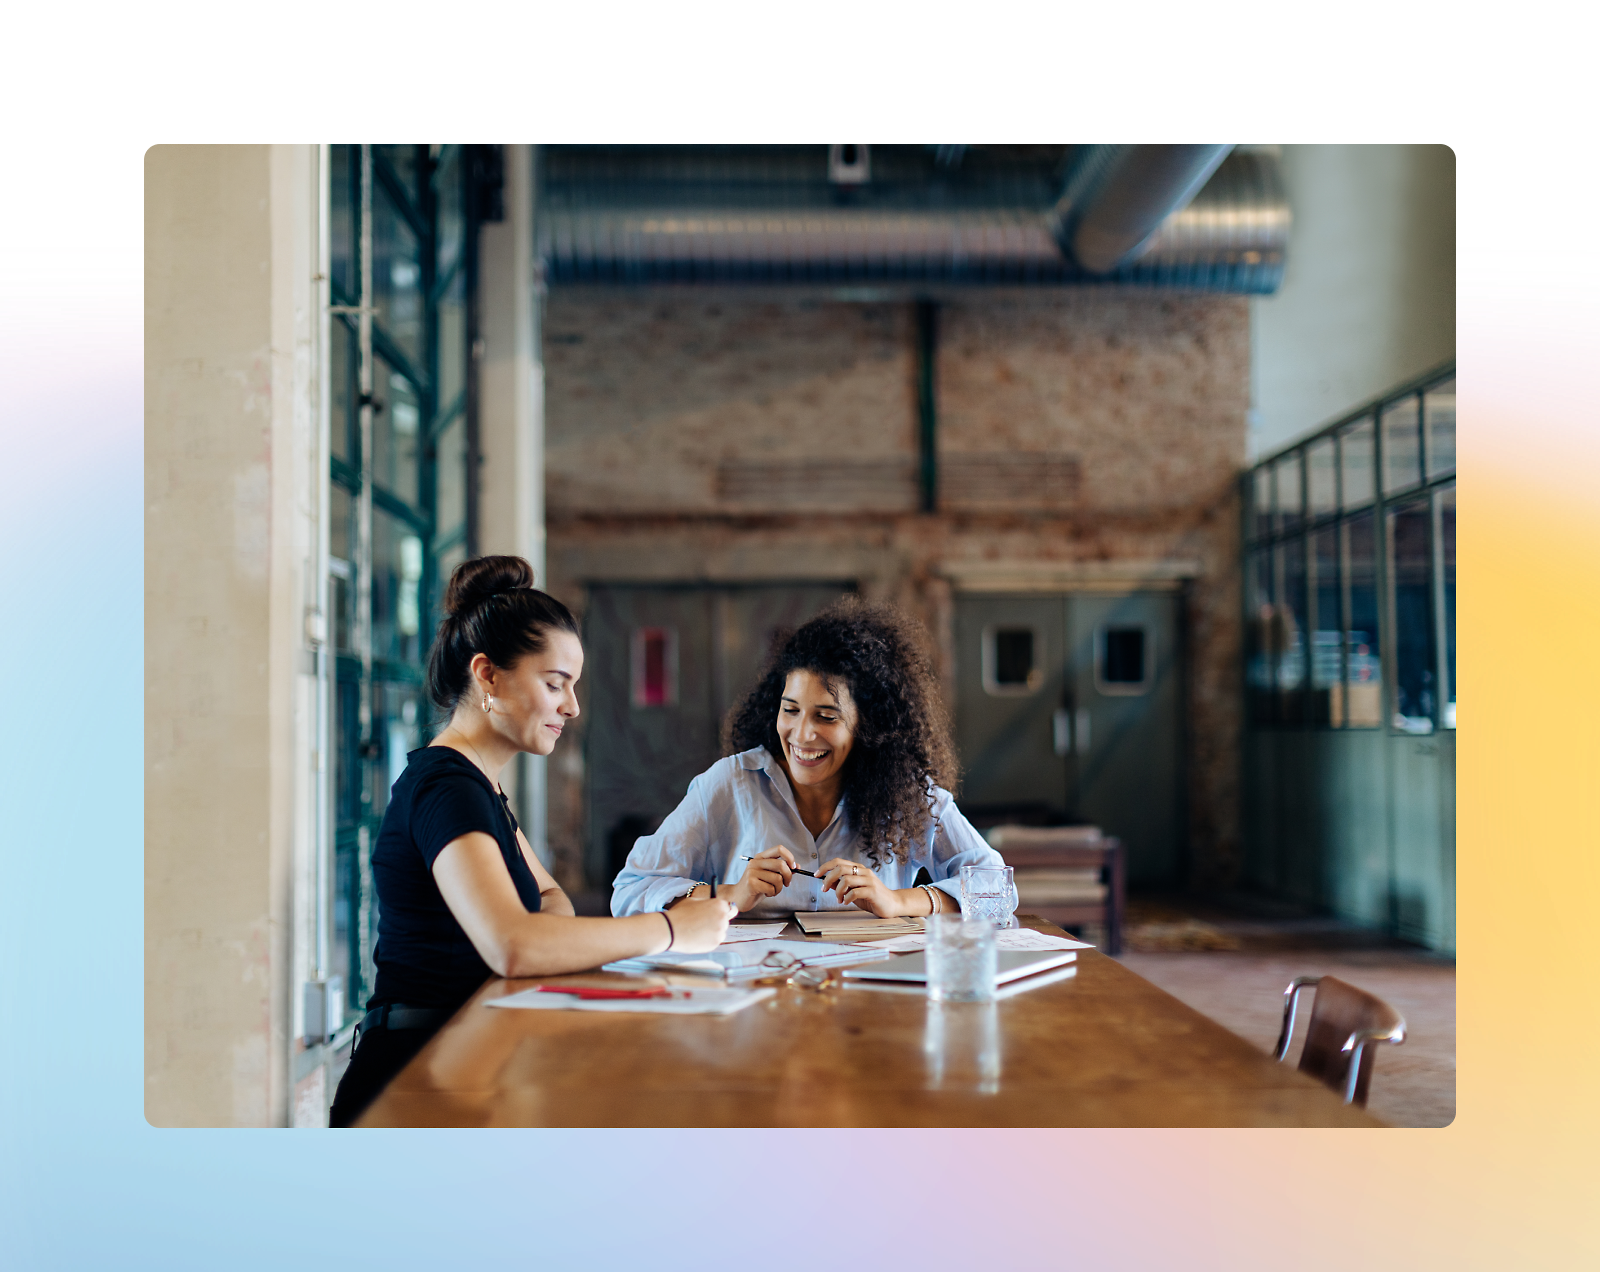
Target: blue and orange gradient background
86,1183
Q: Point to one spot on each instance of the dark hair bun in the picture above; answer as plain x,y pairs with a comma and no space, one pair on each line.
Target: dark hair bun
491,608
477,580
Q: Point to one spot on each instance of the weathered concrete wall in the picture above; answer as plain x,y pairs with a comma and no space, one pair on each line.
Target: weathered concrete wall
727,435
1369,290
230,494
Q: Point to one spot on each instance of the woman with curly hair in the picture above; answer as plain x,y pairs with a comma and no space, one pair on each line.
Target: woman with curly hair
835,794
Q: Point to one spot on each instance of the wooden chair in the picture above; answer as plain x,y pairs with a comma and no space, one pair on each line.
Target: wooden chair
1028,848
1344,1020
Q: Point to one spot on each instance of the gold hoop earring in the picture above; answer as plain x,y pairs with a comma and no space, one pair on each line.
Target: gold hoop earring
487,702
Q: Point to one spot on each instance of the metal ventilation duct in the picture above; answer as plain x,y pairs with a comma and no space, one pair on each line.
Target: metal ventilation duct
1118,196
928,215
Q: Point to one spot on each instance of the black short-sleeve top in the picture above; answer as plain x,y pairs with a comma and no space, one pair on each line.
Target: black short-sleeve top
423,957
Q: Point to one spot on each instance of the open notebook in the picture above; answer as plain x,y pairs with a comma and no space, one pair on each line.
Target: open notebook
744,961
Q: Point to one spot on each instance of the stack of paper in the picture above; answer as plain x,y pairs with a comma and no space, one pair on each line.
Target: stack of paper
744,960
852,925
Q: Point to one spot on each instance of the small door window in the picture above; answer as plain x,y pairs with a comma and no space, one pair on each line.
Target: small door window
1012,660
655,666
1124,659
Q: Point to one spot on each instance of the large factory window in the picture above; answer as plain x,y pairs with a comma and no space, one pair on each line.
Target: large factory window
401,277
1349,580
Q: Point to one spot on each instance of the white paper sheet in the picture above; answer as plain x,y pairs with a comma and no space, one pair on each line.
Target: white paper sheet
714,1001
752,932
1028,939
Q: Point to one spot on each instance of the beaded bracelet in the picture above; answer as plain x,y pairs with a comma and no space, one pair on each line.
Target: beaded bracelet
933,901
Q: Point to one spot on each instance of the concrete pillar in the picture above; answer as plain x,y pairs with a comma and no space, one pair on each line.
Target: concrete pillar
233,472
511,423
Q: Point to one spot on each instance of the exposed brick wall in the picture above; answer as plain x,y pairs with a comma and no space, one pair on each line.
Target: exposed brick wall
721,434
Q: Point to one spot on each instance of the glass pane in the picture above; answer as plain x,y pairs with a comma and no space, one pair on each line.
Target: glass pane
402,161
1289,494
347,768
1260,657
450,452
344,902
1447,553
344,196
1362,704
344,390
395,421
1261,512
341,566
342,526
347,750
1326,672
1440,408
1355,460
449,556
1013,656
398,722
396,590
451,318
1123,663
396,276
1411,578
450,229
1321,475
1290,633
1402,452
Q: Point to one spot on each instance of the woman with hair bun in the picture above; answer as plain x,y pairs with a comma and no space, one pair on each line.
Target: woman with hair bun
461,895
841,764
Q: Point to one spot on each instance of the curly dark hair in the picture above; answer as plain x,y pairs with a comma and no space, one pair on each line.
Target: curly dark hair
901,748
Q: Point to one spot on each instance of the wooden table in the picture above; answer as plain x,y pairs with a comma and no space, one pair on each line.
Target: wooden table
1101,1048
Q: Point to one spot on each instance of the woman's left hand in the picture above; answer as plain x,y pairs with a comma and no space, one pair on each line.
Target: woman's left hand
855,884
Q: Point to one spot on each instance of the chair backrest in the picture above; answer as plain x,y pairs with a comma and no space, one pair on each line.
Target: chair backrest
1344,1022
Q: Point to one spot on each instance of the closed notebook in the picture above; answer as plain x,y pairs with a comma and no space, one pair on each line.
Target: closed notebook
1010,965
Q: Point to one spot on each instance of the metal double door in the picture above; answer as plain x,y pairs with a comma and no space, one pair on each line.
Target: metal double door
1069,709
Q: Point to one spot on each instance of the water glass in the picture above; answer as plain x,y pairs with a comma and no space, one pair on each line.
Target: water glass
960,958
989,894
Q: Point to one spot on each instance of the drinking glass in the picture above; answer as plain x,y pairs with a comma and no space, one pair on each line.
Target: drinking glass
989,894
960,958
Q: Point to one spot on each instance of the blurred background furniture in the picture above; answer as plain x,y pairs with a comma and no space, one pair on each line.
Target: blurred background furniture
1067,875
1344,1020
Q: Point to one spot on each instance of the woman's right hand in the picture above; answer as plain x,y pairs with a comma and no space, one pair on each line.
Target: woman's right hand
699,925
765,875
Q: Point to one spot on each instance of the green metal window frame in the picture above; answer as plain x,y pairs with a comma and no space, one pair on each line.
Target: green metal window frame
414,182
1289,527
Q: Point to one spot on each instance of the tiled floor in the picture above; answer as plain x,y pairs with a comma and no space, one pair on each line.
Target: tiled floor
1242,989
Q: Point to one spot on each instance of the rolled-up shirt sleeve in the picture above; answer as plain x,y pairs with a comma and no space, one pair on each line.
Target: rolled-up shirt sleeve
665,865
953,844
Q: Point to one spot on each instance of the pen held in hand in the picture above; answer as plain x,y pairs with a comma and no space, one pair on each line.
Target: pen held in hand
792,869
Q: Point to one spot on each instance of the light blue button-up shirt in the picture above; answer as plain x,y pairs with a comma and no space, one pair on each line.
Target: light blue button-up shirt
743,805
